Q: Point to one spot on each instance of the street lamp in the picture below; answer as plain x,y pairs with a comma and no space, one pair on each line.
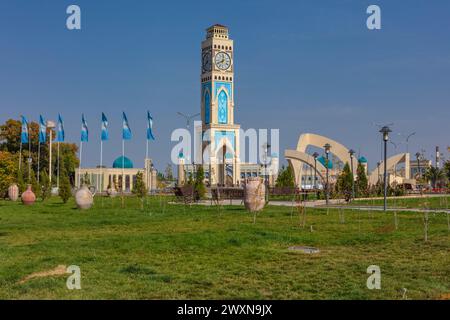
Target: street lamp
378,167
418,164
50,125
315,155
352,153
385,133
266,148
327,148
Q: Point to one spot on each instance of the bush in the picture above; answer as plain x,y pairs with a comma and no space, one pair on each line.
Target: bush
46,188
65,189
199,185
139,188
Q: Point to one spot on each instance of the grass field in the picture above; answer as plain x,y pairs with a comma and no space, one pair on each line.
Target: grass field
177,252
436,202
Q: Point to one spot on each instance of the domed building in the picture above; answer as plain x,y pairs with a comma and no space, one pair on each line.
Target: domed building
102,178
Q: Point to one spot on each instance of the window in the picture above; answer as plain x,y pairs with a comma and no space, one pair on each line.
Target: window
222,107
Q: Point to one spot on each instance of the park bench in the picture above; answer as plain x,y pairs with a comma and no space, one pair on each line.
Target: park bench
227,193
185,194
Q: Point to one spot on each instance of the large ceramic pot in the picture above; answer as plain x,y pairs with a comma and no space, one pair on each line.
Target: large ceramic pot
112,192
254,194
13,192
28,197
84,198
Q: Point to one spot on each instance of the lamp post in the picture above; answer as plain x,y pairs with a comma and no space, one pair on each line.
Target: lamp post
315,155
266,148
327,148
385,133
378,167
419,173
50,125
352,153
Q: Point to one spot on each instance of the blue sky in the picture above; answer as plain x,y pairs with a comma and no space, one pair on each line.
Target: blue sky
301,66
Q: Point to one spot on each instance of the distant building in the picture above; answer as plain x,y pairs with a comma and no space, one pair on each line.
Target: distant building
102,178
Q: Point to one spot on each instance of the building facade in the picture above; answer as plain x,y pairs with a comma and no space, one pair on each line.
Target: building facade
122,170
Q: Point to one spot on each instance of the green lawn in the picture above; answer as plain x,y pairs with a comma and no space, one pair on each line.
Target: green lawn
437,202
177,252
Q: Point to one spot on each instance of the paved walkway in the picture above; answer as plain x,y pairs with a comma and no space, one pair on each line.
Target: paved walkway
336,204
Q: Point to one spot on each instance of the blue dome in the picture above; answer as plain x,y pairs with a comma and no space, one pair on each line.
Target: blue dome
127,163
323,160
362,160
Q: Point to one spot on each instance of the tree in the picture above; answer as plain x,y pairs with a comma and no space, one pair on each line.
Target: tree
447,169
169,172
10,141
434,174
65,189
34,184
8,171
285,178
139,188
45,185
20,182
199,185
361,184
345,182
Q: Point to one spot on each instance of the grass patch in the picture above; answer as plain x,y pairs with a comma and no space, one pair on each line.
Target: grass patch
172,251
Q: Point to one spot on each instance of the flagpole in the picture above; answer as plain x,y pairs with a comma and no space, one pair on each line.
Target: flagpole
38,160
50,167
20,154
123,169
101,166
29,155
147,169
79,166
57,167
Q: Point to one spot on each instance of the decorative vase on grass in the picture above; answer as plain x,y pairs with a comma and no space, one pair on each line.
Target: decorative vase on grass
112,192
254,195
84,198
13,192
28,197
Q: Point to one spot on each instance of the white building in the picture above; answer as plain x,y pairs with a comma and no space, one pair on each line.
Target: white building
122,169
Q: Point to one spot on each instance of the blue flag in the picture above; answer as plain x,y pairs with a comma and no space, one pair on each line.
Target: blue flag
60,136
126,131
42,130
149,127
84,130
105,135
24,133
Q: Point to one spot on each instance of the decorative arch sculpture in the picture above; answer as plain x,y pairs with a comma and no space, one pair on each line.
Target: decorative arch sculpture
299,156
392,163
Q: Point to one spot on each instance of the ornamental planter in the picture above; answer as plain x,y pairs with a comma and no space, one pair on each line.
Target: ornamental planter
28,197
254,195
13,192
111,192
84,198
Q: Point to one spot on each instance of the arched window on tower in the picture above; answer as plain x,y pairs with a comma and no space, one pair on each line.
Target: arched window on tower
222,109
207,102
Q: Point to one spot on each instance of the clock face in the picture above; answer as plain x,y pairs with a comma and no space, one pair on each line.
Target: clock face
206,61
222,61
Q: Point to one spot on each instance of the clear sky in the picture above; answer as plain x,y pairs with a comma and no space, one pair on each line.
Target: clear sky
300,66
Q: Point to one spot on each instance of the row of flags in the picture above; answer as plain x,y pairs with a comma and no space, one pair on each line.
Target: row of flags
60,136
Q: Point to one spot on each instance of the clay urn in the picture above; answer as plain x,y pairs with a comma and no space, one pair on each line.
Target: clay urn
13,192
112,192
84,198
254,194
28,197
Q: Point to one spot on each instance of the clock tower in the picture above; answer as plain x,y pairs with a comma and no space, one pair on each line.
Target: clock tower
220,133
